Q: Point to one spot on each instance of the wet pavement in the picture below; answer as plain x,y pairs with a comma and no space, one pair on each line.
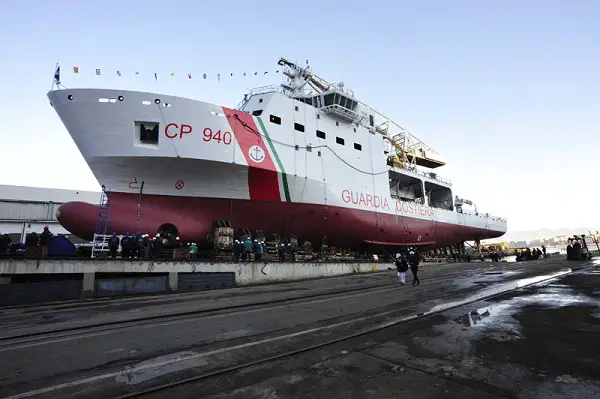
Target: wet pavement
487,349
541,341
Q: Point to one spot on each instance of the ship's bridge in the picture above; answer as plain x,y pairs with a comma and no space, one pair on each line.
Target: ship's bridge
336,102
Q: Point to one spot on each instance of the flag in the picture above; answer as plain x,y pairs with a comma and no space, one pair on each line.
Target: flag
266,73
57,75
255,73
189,75
119,73
155,76
231,74
204,76
75,69
137,73
219,77
97,72
244,73
172,74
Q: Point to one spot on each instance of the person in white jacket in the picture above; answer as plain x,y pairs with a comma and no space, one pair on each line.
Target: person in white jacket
402,266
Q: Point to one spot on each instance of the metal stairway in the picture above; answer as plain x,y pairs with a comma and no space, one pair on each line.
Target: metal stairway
100,242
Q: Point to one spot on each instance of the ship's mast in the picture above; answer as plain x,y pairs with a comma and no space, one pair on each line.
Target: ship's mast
337,100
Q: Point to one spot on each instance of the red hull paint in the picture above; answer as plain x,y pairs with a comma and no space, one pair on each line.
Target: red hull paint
194,218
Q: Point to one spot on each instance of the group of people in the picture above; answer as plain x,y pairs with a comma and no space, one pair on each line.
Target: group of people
403,263
530,254
143,246
42,241
245,247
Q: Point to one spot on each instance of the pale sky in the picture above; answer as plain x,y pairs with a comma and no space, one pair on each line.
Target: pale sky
507,91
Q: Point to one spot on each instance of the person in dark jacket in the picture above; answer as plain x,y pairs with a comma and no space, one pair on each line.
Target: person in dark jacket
5,242
402,266
281,252
32,239
413,261
237,251
113,245
45,239
258,251
126,243
139,245
157,246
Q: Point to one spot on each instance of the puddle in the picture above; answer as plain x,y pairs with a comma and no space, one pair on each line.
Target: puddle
497,320
499,289
481,316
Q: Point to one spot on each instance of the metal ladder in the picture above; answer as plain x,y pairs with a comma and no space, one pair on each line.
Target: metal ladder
100,242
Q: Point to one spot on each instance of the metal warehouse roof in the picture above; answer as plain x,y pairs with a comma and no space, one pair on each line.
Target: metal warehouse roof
41,194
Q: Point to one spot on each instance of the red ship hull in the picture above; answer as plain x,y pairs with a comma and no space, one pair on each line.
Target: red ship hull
194,218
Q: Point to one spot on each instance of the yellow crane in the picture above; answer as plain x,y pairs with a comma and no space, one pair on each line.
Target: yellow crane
408,148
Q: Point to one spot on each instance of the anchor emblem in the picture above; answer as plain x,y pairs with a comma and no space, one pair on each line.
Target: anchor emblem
256,153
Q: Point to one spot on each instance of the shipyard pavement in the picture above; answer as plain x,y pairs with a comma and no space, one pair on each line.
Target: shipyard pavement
108,348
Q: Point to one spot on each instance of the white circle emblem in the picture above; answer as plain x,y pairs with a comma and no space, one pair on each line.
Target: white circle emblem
256,153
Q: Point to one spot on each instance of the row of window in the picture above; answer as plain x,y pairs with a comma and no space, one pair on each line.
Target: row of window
300,128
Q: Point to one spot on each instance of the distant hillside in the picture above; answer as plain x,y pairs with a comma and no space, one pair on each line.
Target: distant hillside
544,233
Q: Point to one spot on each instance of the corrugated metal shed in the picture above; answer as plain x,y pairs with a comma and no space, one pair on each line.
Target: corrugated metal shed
26,209
18,203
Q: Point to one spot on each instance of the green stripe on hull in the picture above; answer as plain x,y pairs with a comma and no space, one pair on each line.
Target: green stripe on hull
286,190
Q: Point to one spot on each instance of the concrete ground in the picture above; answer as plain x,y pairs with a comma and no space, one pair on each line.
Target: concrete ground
535,342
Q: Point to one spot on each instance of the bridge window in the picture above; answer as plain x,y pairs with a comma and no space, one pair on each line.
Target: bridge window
337,123
275,119
318,116
296,108
299,127
357,147
257,112
320,134
339,140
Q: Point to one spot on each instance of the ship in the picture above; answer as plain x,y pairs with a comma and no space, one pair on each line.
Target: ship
302,158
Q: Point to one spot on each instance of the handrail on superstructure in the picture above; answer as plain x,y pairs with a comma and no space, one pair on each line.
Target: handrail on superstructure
257,91
409,147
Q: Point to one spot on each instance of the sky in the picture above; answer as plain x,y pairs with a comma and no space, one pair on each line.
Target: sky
507,91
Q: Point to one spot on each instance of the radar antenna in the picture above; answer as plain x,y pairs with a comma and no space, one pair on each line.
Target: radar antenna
408,148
